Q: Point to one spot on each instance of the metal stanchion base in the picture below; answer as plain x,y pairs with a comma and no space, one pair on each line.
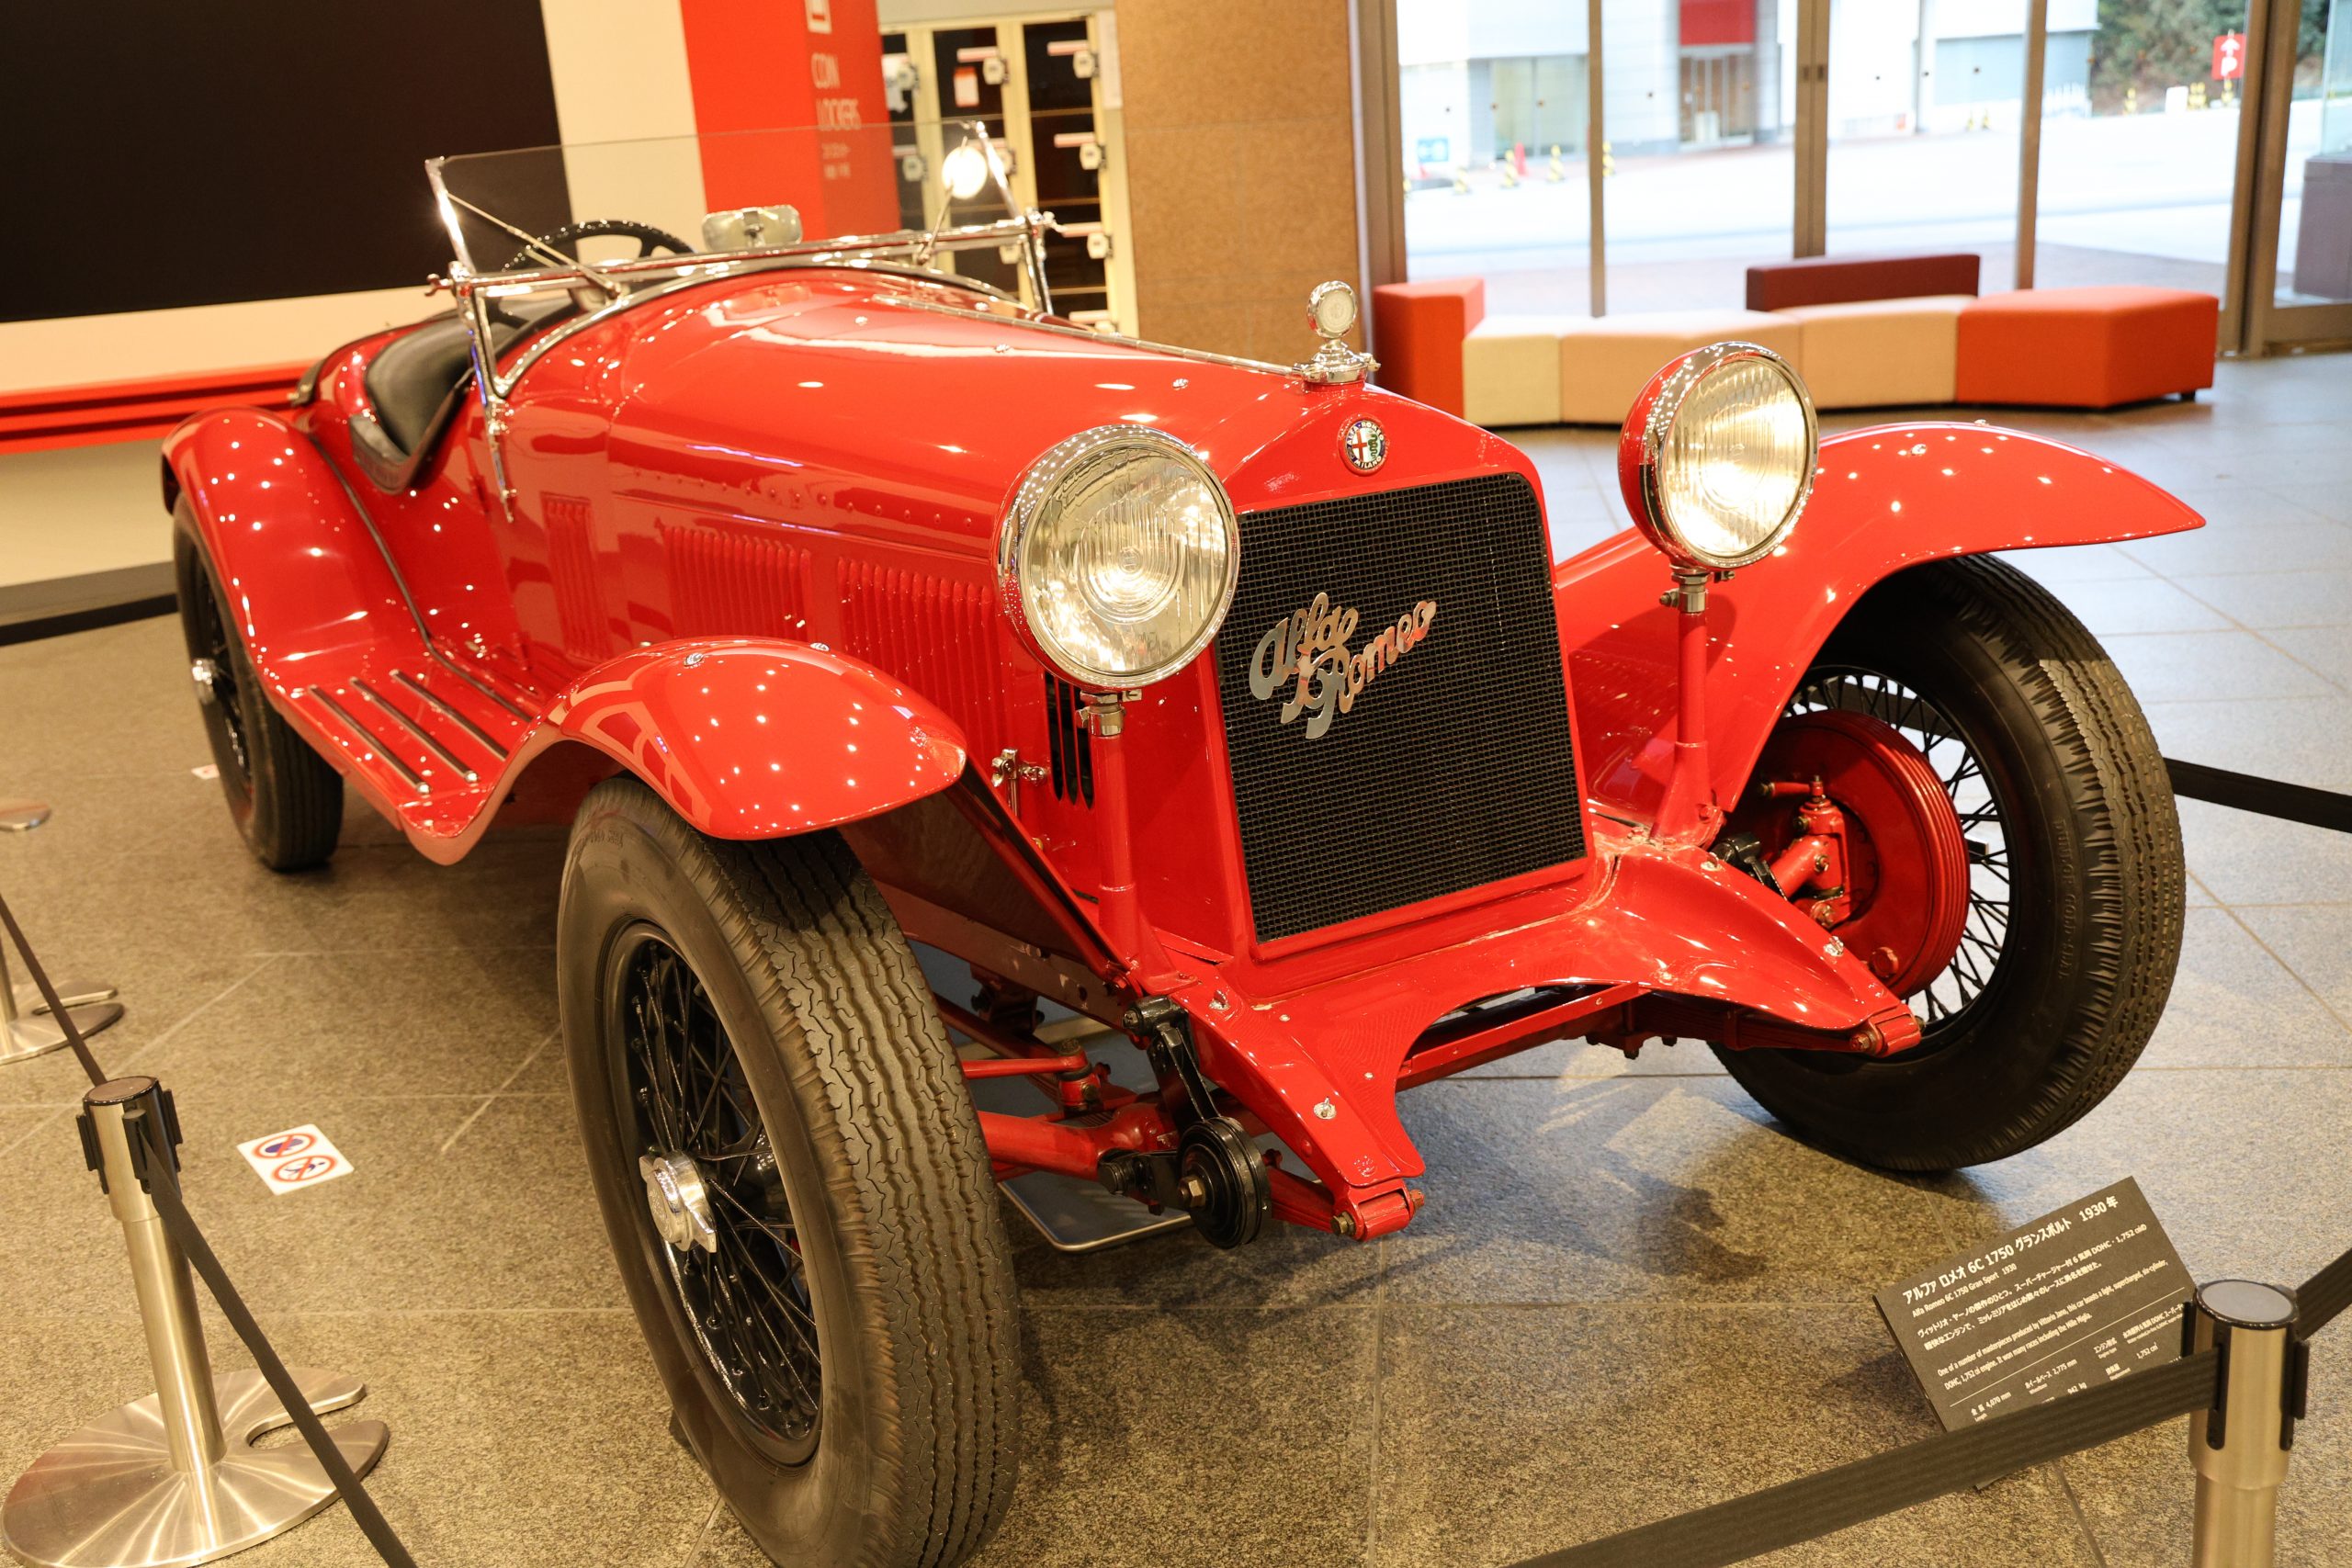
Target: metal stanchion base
36,1034
72,993
21,815
108,1495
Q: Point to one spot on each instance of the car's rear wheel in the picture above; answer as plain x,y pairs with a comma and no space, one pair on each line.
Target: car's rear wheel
795,1185
2073,896
284,798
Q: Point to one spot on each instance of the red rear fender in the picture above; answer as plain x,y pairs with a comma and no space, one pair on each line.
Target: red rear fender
1886,499
303,575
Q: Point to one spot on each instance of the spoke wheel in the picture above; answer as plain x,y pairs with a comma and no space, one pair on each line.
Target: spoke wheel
1944,999
2063,894
732,1251
795,1185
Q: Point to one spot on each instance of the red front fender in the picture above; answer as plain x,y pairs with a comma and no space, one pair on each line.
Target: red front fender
758,738
1886,498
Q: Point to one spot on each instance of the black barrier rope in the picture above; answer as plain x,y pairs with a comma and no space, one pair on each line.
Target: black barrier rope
2264,797
164,1187
1801,1511
2323,1296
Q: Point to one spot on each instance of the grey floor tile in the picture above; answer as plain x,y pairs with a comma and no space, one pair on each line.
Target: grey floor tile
371,1024
505,1218
1652,1189
1509,1431
1682,1191
2203,666
2234,1004
2327,650
2247,859
2332,501
2315,942
2075,563
520,1439
2222,552
2145,605
2223,1158
2277,599
1209,1438
163,992
2248,507
2297,739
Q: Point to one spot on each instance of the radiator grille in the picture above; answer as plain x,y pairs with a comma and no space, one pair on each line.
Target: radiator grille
1453,768
1069,744
935,634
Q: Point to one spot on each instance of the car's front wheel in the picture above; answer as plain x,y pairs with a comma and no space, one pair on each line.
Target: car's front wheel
795,1185
2047,823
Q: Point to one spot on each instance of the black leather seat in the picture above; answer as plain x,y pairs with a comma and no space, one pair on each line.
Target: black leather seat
411,376
415,383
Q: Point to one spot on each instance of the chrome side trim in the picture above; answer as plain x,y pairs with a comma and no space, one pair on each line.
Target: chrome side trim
479,684
455,766
362,732
452,715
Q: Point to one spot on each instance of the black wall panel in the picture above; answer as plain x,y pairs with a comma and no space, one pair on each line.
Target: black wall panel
162,153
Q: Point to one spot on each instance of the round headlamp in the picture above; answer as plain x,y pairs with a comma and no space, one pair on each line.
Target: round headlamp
1718,454
1118,558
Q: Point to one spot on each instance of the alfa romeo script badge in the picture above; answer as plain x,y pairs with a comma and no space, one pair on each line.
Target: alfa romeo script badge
1365,443
1308,652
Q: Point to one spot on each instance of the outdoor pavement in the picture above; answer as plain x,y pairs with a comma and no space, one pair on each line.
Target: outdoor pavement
1630,1293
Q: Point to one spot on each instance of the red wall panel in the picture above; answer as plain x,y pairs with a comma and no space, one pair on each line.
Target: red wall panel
1714,22
794,64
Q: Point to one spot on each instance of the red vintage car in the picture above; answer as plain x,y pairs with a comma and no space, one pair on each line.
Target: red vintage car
1230,721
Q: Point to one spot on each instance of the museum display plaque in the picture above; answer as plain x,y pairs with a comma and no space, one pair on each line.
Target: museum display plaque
2081,1296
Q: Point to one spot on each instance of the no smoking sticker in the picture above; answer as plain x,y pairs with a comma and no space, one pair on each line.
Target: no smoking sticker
299,1157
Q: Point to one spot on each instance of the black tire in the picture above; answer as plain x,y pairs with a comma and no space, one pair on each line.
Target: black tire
2065,992
888,1225
284,798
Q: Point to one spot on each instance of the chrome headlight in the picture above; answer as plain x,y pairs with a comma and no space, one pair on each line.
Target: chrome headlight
1717,456
1118,559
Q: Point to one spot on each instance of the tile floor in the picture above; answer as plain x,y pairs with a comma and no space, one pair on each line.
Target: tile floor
1629,1294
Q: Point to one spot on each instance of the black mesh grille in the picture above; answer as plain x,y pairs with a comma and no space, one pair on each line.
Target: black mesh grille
1453,768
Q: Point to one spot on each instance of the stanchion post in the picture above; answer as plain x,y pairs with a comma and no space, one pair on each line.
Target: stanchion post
172,1479
117,1146
2239,1448
27,1030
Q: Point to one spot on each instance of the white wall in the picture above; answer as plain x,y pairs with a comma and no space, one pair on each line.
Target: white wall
1640,48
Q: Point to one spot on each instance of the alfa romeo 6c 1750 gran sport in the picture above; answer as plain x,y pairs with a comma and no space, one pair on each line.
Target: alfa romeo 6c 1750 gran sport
1231,722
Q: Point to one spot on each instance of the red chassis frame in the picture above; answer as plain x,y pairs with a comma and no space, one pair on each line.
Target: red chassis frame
1309,1038
1579,953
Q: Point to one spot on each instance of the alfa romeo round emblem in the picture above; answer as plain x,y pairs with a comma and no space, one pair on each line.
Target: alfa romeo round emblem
1365,443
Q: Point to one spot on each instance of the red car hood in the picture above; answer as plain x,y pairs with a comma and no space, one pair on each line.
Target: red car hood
905,401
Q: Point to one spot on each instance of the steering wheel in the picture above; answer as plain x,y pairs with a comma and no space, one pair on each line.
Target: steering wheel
650,240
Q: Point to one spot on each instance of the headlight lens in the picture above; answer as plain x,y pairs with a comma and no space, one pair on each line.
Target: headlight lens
1718,455
1118,558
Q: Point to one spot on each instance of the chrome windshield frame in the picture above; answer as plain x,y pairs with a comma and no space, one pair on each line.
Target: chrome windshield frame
902,252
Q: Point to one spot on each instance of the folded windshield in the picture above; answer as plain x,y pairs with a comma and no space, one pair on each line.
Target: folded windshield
938,195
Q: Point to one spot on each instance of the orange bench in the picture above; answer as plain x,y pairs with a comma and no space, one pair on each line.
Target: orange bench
1419,327
2090,348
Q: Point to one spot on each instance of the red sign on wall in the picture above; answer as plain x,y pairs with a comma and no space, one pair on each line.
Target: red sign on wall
2229,57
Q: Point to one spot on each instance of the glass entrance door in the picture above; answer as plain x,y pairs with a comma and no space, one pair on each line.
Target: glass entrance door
2303,220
